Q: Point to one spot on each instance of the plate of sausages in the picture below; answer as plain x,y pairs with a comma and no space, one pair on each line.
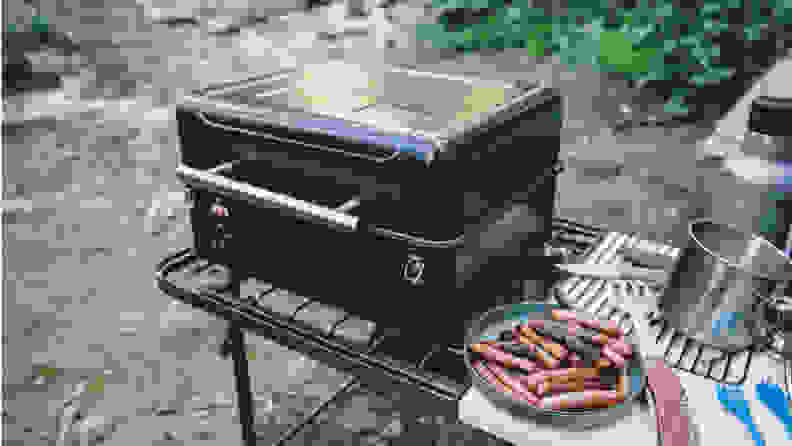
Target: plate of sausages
554,364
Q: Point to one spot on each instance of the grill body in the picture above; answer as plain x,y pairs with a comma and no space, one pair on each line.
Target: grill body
367,194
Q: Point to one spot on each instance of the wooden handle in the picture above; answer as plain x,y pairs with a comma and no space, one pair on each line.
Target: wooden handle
666,387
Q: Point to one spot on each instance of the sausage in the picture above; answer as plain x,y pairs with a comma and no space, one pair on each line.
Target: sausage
548,387
558,376
586,334
552,329
600,339
577,372
621,347
573,343
616,358
517,388
534,323
533,380
547,360
556,350
566,375
575,360
490,377
621,386
602,363
490,353
589,399
518,349
571,335
606,327
563,315
572,386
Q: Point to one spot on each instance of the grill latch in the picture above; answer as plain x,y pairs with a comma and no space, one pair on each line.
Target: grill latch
414,269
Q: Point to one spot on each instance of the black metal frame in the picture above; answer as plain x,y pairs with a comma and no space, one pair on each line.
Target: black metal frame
375,366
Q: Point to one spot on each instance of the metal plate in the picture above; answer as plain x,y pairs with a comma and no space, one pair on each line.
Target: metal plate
505,317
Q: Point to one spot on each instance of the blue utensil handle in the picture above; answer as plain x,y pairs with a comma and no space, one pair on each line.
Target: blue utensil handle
756,435
788,425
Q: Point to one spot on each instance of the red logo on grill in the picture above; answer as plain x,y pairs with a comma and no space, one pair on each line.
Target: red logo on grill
219,211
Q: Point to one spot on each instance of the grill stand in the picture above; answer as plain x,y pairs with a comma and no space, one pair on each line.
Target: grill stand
234,346
236,342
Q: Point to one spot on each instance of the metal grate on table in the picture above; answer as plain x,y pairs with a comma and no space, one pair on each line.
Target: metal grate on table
681,352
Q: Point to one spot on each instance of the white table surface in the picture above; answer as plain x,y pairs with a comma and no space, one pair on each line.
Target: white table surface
713,425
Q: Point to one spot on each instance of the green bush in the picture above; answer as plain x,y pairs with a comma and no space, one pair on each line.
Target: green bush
661,40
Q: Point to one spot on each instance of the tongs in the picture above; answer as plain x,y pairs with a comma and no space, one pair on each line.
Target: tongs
664,391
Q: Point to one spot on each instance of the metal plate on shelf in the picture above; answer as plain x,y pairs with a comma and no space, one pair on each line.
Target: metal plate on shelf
505,317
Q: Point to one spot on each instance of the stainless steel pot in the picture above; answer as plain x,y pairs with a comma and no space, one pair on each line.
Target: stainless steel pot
719,287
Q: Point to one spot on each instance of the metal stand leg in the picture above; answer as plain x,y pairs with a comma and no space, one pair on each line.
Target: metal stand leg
348,385
307,420
236,343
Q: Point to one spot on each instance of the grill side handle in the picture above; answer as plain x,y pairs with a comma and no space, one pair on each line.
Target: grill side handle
264,198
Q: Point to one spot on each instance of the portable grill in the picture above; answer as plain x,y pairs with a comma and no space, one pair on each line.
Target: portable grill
370,187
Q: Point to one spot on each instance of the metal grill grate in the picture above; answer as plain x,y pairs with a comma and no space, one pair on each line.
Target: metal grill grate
681,352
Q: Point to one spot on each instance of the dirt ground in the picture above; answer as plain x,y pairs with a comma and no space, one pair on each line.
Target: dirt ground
92,203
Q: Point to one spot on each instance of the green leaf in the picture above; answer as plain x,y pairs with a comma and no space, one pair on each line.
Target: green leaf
97,386
513,12
667,10
617,53
544,28
712,75
676,106
753,32
690,40
534,48
712,8
627,18
769,222
481,4
48,372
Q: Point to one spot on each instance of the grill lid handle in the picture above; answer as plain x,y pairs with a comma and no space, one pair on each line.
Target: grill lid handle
260,197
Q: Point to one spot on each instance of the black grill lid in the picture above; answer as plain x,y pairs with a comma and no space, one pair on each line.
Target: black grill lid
387,106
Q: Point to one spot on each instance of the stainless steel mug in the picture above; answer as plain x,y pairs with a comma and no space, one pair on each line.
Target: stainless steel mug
719,286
